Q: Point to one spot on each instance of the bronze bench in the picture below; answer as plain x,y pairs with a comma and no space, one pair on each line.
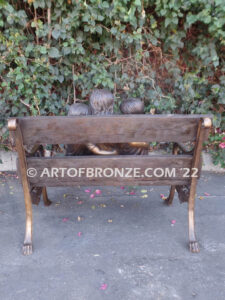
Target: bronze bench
177,129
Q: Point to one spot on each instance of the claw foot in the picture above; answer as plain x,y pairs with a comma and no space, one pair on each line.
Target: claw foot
27,249
194,247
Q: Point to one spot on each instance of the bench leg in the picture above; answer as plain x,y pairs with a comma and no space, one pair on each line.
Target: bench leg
169,199
193,244
27,245
14,127
46,200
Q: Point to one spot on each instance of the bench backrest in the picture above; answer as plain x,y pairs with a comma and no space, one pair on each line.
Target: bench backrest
110,129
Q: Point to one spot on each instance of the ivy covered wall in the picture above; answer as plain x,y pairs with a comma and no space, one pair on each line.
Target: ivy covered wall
170,53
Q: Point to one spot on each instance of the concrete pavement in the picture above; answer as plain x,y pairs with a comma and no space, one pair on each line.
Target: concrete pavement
118,245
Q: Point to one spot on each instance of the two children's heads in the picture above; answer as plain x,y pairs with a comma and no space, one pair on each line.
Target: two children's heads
102,101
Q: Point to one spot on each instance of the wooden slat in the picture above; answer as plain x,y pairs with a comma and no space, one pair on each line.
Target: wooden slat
121,162
109,129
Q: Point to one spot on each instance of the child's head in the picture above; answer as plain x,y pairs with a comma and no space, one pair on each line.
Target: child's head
101,102
132,106
78,109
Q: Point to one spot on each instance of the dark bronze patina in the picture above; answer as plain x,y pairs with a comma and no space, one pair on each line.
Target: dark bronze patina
60,130
78,109
127,107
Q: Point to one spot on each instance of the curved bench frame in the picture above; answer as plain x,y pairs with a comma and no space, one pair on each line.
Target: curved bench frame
114,129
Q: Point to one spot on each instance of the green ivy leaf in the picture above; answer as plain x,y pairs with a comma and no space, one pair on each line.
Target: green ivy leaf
43,50
56,33
54,52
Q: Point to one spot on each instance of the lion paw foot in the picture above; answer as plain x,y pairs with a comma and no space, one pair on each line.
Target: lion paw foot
194,247
27,249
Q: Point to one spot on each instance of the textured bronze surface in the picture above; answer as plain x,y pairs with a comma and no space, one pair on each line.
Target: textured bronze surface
114,129
193,244
125,161
169,199
109,129
27,246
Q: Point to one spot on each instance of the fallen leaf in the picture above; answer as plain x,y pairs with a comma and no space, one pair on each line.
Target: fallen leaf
93,207
163,197
102,205
65,195
98,192
80,218
122,205
144,196
103,286
110,221
201,198
144,191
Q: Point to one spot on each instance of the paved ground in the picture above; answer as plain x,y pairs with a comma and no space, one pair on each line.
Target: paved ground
114,246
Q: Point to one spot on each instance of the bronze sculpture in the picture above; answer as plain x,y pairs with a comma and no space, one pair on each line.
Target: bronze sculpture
101,103
133,106
78,109
31,131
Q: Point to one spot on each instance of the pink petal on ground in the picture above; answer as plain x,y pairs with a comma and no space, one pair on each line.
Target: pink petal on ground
173,221
122,187
92,196
206,194
79,233
103,286
162,195
132,193
79,202
87,191
98,192
223,138
65,219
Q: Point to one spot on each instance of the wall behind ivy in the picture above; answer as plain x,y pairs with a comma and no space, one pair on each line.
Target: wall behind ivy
170,53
